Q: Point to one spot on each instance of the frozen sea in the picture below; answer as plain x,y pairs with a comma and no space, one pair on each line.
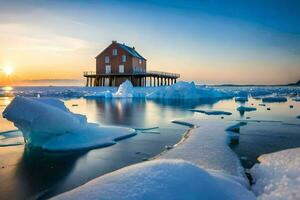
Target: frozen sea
28,173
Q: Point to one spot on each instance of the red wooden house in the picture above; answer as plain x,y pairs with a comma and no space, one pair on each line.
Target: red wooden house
119,62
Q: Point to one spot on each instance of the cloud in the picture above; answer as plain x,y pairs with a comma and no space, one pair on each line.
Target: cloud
19,37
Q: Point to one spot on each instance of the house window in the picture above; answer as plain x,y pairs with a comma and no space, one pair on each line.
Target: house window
121,68
124,58
106,59
115,52
107,69
140,61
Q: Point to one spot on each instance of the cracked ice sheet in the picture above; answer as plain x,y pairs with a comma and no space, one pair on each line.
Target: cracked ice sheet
206,147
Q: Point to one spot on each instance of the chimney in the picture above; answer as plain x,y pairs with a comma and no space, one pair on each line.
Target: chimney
133,48
114,41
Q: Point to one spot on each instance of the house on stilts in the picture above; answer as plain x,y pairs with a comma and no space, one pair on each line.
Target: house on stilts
119,62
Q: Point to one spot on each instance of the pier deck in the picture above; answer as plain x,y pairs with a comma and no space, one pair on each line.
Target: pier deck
149,78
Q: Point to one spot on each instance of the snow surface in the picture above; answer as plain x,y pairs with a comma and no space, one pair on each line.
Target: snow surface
211,112
160,179
245,109
278,175
48,124
274,99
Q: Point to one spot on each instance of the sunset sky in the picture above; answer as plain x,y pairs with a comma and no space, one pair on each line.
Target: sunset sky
208,41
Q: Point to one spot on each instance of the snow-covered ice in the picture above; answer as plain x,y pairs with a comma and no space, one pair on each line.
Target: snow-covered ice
206,146
48,124
277,176
212,112
274,99
245,109
161,179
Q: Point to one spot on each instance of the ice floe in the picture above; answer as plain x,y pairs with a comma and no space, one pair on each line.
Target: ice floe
161,179
274,99
11,138
296,99
241,99
245,109
211,112
277,176
48,124
206,146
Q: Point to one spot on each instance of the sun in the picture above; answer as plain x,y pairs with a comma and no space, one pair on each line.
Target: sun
8,70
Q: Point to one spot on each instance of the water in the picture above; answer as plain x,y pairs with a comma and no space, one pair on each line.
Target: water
27,173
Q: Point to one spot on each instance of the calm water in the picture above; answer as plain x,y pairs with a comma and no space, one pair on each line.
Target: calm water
34,174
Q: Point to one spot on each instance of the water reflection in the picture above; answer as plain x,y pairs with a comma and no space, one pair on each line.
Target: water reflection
35,172
141,112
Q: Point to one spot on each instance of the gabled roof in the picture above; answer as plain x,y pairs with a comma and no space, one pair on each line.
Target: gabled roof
131,51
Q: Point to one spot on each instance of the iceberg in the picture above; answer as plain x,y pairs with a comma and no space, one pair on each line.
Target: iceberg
212,112
160,179
125,90
185,90
277,176
274,99
48,124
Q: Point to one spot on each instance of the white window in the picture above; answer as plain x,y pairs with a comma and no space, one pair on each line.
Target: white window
115,52
140,61
124,58
121,68
107,69
106,59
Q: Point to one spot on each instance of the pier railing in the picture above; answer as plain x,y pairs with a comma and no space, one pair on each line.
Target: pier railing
147,73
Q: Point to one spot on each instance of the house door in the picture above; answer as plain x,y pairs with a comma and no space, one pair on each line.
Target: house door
107,69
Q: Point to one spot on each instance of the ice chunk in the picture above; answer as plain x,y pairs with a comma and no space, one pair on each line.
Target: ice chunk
278,175
125,90
296,99
160,179
245,109
48,124
241,99
211,112
274,99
